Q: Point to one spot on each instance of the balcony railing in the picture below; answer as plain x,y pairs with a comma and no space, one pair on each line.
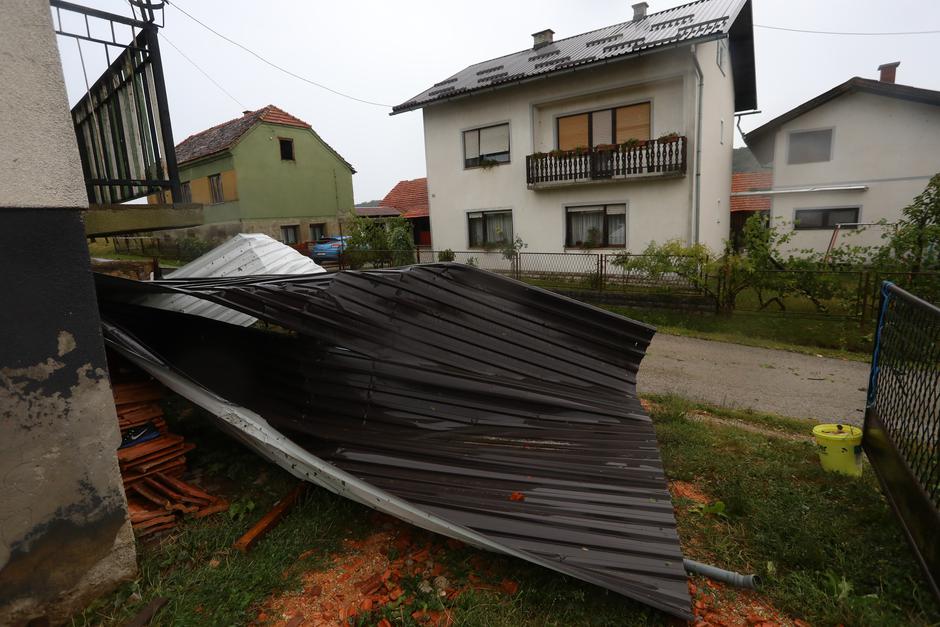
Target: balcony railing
631,160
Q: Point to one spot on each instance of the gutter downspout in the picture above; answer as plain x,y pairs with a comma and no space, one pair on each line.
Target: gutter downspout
696,202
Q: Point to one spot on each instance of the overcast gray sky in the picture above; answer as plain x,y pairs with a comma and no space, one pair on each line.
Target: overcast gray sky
387,52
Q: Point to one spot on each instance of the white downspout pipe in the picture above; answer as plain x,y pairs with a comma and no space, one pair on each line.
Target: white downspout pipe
696,201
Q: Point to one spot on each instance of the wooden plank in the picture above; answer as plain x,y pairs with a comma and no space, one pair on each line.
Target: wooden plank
188,488
131,453
145,615
220,505
269,520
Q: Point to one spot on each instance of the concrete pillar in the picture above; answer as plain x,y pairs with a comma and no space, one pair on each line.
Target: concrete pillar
64,532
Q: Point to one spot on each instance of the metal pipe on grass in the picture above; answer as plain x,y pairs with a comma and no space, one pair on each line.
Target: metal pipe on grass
750,582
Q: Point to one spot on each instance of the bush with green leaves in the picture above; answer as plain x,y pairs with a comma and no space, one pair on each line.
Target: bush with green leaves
379,243
446,255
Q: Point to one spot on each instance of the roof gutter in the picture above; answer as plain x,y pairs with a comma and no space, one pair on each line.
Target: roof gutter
696,201
575,68
803,190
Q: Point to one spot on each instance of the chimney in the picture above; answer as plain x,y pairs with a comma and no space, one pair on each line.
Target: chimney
888,71
247,112
639,11
542,38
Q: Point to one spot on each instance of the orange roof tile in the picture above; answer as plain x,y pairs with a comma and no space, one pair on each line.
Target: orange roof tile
409,197
751,182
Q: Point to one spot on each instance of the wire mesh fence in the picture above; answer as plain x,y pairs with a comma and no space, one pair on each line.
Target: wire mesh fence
902,419
829,292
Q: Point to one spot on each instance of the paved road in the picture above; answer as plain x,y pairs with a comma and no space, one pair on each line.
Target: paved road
780,382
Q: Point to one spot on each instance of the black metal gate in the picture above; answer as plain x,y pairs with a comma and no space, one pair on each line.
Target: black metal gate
902,419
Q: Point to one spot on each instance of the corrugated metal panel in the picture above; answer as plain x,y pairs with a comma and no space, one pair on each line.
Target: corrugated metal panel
246,254
452,388
686,23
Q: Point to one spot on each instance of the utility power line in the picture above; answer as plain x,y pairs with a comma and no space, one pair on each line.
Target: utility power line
204,73
829,32
271,63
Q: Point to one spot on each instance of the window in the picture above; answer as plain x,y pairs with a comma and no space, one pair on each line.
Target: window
607,126
186,192
596,226
215,188
806,219
489,228
287,148
486,146
317,231
290,234
810,146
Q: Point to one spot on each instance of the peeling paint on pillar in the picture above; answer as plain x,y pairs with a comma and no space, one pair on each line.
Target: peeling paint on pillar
64,533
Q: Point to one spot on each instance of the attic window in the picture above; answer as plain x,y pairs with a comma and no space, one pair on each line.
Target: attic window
287,148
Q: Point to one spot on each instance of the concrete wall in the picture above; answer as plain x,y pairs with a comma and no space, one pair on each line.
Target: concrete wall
64,533
890,145
656,209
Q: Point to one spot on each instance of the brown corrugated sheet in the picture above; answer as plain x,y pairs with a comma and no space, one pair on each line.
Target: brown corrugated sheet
496,406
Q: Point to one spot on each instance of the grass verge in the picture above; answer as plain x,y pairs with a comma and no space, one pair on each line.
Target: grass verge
828,548
830,337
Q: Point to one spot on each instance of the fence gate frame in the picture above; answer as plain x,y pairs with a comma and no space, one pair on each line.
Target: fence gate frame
891,433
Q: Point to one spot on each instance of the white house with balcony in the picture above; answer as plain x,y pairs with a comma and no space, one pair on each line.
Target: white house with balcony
849,158
603,141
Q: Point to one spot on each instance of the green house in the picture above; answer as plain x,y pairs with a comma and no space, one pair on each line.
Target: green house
265,172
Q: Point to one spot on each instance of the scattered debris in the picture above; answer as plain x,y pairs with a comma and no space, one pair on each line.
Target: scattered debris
269,520
152,460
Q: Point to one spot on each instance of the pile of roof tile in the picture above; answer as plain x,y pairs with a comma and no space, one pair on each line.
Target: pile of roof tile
152,460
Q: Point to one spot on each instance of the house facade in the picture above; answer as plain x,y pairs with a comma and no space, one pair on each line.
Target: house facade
265,172
604,141
853,156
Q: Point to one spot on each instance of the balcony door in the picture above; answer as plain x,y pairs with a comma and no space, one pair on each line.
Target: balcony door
605,126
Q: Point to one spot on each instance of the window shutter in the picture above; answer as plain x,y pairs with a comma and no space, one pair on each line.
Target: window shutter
633,122
471,144
572,131
494,139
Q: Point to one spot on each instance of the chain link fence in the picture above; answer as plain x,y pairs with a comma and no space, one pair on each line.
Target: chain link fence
902,418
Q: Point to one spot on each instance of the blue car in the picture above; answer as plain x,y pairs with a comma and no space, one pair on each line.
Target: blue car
329,248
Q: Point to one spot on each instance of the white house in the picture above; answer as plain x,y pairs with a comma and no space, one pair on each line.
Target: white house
603,141
855,155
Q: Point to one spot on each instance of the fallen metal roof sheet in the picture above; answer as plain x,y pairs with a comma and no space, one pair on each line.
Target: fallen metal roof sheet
246,254
449,389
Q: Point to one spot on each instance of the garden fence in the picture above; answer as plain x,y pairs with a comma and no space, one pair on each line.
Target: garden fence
902,419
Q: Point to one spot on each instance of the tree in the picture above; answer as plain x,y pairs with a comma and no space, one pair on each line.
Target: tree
379,243
915,243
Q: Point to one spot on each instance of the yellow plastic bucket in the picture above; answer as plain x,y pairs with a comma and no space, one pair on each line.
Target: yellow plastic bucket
839,448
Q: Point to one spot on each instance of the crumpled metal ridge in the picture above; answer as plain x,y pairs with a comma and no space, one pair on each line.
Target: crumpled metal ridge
450,389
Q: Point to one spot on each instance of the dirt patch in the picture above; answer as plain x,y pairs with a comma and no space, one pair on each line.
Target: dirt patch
702,416
716,604
685,490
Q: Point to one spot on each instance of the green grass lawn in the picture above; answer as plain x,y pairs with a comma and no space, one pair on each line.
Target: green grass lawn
827,547
833,337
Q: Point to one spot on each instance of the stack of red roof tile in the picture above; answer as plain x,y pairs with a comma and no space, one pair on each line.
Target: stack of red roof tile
151,468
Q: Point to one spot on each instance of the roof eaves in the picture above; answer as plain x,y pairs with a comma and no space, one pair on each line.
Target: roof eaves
854,84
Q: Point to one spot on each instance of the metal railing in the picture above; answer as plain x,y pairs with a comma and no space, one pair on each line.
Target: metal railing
643,158
902,419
